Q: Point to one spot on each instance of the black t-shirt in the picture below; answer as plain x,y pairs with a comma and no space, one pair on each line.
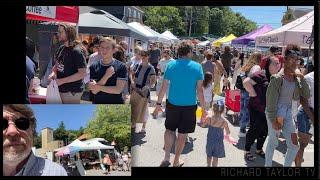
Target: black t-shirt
69,60
97,71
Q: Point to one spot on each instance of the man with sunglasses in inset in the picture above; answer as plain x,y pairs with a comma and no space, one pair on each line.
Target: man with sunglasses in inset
18,130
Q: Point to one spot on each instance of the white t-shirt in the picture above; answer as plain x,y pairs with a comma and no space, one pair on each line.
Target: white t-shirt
207,92
310,81
163,64
254,69
134,61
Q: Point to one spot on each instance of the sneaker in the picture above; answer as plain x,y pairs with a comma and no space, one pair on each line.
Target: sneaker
242,133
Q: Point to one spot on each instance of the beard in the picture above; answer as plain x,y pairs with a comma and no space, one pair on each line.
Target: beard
14,154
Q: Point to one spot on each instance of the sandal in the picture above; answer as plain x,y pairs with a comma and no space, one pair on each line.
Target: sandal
142,131
181,163
261,153
249,157
165,164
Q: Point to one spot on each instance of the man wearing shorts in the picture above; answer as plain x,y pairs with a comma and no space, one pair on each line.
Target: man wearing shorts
185,77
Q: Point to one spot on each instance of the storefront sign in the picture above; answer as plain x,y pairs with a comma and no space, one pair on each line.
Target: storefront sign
44,11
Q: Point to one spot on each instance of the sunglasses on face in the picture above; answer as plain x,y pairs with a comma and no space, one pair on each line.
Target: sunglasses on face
21,123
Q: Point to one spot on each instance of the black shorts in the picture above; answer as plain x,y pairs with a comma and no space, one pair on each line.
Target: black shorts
155,65
181,117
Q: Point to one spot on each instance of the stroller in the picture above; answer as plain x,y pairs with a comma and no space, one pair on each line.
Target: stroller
233,103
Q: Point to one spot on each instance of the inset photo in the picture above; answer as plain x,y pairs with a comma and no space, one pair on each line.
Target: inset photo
66,140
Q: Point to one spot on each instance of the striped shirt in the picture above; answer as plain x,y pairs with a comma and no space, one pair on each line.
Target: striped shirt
37,166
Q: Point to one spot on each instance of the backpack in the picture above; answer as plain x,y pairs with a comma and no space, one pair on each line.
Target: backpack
259,102
239,81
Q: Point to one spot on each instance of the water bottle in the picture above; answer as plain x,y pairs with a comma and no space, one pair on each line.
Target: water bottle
36,85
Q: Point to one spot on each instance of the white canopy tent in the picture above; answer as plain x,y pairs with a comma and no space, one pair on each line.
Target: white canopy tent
96,145
150,33
170,36
296,32
203,43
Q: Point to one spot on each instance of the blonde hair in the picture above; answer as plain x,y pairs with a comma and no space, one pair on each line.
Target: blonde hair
217,108
254,59
107,39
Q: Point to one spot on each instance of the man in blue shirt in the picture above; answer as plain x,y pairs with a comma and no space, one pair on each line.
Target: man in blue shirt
186,78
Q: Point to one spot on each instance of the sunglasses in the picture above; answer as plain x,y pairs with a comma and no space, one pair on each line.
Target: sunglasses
21,123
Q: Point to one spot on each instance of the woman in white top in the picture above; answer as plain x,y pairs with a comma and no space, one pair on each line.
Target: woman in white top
208,90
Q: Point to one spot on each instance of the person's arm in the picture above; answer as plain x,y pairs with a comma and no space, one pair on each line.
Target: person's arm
221,68
112,89
272,96
201,97
163,90
248,84
53,74
30,86
75,77
306,108
226,127
153,80
106,76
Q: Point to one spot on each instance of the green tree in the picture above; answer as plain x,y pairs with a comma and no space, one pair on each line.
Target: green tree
287,17
162,18
37,141
60,133
223,21
111,122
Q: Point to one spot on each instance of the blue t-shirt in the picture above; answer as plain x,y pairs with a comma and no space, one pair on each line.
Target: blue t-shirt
183,75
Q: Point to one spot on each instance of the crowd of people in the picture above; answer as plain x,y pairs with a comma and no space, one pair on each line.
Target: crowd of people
269,85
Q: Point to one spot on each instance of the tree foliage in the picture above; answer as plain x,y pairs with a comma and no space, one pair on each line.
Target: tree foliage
287,17
162,18
223,21
61,133
111,122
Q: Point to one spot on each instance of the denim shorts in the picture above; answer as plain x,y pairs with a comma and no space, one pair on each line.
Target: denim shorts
303,122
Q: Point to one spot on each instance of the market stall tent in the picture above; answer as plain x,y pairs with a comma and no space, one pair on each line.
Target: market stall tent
226,39
296,32
101,22
169,35
245,39
150,33
203,43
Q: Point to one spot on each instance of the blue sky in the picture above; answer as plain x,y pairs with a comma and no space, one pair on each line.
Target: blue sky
271,15
73,116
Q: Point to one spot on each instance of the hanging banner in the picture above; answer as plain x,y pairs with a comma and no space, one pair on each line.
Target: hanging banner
43,11
68,14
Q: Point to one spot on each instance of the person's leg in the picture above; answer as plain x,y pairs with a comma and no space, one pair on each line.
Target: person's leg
304,125
214,162
289,132
179,147
251,134
271,145
186,124
209,161
169,137
250,137
262,131
243,112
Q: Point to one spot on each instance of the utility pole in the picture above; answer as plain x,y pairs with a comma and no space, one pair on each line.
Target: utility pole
190,23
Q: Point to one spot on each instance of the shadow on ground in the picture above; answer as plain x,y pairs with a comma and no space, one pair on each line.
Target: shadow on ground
136,138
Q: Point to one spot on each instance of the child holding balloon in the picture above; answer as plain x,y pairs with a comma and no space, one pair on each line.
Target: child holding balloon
216,126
